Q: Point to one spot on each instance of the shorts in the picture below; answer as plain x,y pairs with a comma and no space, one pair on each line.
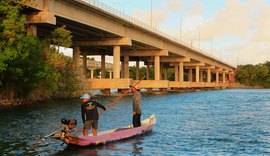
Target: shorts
91,123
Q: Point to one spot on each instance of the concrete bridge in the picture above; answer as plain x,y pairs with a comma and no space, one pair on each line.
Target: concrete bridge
93,65
98,29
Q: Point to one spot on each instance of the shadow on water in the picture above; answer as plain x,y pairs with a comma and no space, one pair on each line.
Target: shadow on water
131,146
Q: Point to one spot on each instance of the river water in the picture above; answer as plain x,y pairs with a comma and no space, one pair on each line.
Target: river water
223,122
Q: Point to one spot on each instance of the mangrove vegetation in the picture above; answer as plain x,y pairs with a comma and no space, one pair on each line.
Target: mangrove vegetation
254,75
32,68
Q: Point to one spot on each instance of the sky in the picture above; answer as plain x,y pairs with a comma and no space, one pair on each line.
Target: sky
235,31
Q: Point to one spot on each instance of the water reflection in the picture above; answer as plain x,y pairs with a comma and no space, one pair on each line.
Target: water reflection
130,146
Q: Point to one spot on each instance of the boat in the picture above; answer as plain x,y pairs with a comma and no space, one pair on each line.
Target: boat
112,135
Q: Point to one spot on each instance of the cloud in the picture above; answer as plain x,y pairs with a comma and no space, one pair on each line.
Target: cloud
262,23
244,24
234,20
252,53
196,9
175,5
241,26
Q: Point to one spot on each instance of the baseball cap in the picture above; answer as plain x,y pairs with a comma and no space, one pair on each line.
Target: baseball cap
85,96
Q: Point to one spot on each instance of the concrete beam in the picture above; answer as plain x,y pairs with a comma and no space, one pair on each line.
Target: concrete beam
219,70
41,17
194,64
226,71
171,59
105,42
207,67
146,53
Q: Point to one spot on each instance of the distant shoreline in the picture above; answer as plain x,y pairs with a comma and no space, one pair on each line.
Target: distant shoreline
238,85
7,103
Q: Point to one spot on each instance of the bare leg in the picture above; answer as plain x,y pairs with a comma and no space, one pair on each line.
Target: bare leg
85,132
94,132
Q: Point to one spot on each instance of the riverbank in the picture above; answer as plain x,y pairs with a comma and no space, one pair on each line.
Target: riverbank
238,85
6,103
13,102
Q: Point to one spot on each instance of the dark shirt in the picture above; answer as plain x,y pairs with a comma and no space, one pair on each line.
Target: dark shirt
89,109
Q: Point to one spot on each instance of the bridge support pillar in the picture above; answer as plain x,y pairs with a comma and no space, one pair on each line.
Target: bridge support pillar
197,74
176,72
116,62
110,74
223,77
208,75
217,77
122,69
103,70
92,73
137,70
126,67
157,68
181,71
201,75
165,73
147,70
84,64
76,56
190,76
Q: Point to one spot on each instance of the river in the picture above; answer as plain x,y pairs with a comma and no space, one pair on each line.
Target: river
221,122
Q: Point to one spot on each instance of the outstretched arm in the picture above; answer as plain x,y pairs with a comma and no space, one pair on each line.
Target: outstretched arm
101,106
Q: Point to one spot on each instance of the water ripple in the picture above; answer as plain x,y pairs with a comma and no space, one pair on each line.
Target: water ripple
225,122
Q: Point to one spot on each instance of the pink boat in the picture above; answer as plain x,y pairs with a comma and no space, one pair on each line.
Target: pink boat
112,135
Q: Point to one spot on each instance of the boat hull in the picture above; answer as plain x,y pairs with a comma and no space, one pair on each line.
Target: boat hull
112,135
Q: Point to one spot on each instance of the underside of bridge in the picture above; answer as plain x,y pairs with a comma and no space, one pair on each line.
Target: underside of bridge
99,32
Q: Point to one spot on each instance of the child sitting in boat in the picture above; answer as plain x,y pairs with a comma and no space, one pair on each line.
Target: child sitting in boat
67,126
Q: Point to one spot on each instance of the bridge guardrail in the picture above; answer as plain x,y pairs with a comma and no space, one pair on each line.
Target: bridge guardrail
110,10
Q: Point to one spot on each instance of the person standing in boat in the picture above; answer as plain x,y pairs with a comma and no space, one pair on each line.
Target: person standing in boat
136,105
89,110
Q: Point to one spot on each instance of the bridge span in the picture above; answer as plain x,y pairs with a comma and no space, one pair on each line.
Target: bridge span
98,29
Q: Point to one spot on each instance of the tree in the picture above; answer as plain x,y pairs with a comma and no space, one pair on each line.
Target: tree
60,80
29,67
254,74
61,37
21,65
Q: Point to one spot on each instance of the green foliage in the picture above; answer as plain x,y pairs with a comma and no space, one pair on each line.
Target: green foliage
29,68
60,80
21,63
61,37
254,74
142,72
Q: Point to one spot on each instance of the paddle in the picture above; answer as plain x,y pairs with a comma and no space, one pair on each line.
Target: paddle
46,136
110,105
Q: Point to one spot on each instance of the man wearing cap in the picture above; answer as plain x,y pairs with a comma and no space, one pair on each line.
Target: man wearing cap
136,104
89,110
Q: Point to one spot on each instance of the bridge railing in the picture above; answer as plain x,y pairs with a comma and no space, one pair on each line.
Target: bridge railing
133,20
110,10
